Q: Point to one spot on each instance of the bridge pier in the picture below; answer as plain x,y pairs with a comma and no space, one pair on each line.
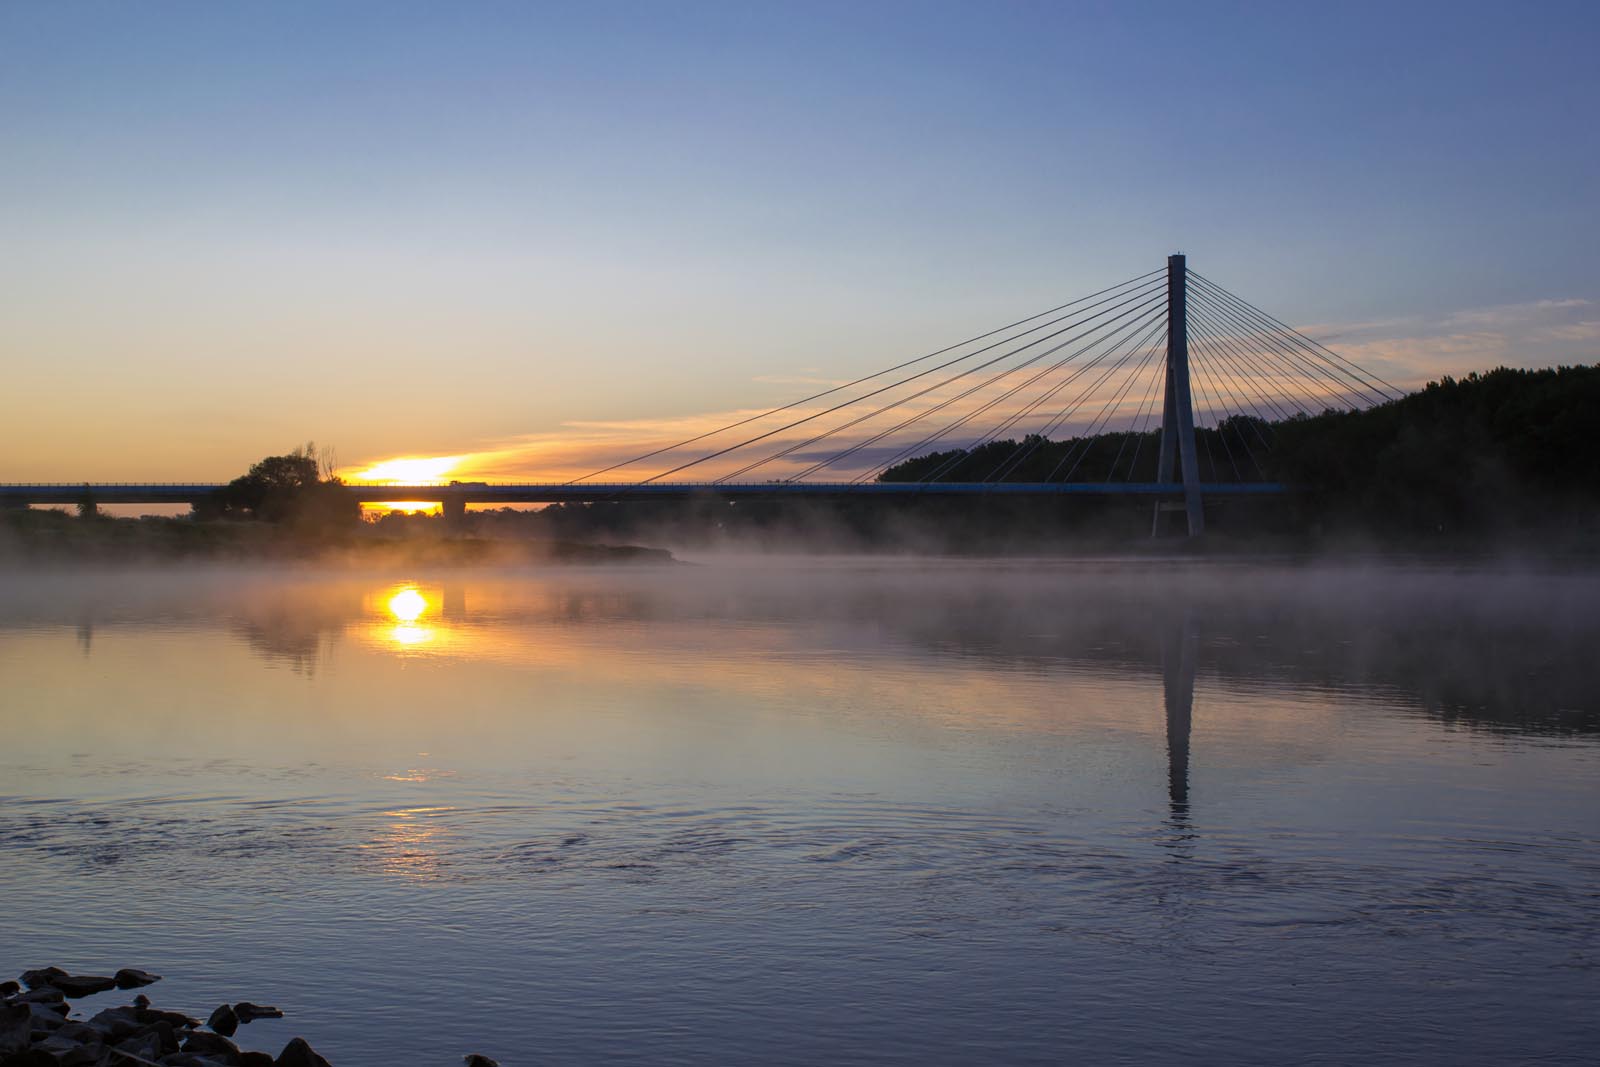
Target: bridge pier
454,509
1177,410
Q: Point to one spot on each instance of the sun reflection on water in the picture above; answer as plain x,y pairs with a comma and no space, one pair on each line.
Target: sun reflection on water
408,605
408,610
412,843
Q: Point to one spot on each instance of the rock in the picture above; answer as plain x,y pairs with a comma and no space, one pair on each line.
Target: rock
75,986
175,1019
43,995
254,1059
224,1021
132,978
8,989
213,1046
249,1013
16,1022
141,1001
79,1055
146,1046
164,1033
475,1060
299,1054
82,1033
117,1023
47,1016
30,1058
42,977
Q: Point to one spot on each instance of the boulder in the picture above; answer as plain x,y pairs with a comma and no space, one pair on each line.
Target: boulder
16,1023
71,1055
42,977
223,1020
84,985
249,1013
9,989
133,978
43,995
299,1054
476,1060
176,1019
164,1033
212,1046
255,1059
117,1023
47,1016
30,1058
146,1046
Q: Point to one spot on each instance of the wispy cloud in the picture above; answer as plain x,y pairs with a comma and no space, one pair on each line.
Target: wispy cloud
800,379
1412,350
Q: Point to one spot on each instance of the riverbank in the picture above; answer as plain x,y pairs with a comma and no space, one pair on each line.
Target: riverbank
39,1027
56,537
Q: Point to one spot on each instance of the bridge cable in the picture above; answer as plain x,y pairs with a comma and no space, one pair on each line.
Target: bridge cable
1243,365
1313,354
1130,329
1271,367
1031,443
1138,444
1387,391
910,378
1237,397
843,453
1225,372
959,454
1277,352
1154,323
1140,414
1291,343
1087,439
993,434
829,461
877,374
1274,362
1213,384
1148,296
1206,395
1091,436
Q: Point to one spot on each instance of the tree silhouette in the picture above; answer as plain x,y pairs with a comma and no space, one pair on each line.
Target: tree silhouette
297,488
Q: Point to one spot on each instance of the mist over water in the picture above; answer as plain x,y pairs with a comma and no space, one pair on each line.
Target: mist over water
787,811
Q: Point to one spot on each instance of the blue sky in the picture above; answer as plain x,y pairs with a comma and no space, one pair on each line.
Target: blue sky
450,228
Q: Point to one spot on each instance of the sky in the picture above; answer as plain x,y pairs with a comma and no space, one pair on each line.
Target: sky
516,240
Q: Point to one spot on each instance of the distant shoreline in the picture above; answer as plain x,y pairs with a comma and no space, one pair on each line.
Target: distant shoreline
35,537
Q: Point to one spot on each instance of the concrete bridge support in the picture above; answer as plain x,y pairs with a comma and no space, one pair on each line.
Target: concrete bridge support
1177,411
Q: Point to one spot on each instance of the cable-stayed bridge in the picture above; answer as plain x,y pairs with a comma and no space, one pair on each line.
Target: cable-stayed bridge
1163,386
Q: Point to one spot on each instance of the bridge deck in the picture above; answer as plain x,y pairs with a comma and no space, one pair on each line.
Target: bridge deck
559,493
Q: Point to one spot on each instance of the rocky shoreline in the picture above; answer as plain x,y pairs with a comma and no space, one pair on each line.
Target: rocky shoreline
38,1028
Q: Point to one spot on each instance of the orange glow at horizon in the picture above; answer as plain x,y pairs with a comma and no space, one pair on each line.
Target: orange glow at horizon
409,470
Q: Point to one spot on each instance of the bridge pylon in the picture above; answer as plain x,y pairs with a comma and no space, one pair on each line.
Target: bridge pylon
1177,460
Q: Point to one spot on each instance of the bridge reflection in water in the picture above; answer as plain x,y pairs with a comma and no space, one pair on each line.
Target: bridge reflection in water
1179,647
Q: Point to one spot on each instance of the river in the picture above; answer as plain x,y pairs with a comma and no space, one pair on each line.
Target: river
801,811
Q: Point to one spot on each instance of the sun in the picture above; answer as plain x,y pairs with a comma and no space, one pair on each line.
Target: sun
409,470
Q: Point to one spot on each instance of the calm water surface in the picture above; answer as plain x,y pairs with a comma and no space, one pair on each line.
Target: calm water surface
799,813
